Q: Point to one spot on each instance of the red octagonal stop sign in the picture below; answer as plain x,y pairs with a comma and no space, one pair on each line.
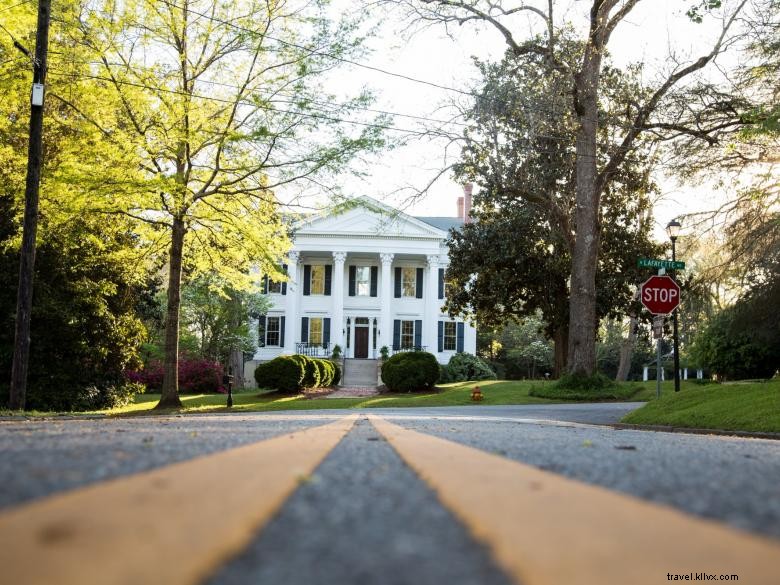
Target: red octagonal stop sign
660,294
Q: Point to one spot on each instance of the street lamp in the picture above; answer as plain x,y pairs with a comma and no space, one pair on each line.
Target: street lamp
673,229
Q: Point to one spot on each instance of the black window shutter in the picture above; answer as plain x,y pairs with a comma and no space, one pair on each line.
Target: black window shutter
264,286
441,283
396,335
281,331
328,278
398,282
284,284
441,336
304,329
374,280
419,283
307,279
352,270
261,331
326,330
459,341
418,333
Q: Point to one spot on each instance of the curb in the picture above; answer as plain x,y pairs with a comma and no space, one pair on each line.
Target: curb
695,431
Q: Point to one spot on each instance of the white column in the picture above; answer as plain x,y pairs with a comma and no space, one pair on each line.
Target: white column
337,292
385,297
431,295
291,325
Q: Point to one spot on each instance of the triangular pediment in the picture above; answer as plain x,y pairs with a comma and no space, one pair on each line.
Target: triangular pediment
364,216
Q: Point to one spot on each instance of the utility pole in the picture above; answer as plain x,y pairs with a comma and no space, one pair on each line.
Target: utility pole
30,229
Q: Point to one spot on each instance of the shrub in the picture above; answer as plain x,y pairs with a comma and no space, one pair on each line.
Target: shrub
384,353
311,377
597,381
325,371
336,374
196,376
465,366
336,352
408,371
283,373
109,394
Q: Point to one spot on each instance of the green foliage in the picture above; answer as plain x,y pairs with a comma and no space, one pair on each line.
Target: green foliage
336,373
384,352
410,371
465,366
324,370
575,382
285,373
585,393
515,260
336,355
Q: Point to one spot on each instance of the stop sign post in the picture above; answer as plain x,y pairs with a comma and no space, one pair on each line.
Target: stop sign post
660,295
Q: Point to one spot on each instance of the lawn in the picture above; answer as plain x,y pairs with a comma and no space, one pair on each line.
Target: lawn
746,406
495,392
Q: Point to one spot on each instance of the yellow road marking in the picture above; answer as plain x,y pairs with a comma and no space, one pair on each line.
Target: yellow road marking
172,525
545,529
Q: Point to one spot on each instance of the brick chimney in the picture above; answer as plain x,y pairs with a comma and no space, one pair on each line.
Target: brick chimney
460,207
467,190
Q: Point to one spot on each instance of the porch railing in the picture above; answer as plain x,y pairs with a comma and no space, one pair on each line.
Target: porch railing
313,349
402,348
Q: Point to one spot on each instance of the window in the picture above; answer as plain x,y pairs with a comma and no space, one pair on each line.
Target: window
450,336
408,283
274,287
407,334
318,281
315,327
272,329
362,281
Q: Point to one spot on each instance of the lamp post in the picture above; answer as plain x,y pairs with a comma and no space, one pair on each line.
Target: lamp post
673,229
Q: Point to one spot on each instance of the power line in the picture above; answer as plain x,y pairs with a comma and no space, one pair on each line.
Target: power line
317,52
244,102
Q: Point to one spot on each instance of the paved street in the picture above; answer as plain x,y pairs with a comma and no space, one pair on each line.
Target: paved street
370,500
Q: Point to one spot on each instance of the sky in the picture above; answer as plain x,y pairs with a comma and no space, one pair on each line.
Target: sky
655,30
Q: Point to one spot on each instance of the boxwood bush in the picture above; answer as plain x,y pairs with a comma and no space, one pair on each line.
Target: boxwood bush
408,371
285,373
336,373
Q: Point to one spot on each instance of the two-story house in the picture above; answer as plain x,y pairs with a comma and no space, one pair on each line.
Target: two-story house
366,277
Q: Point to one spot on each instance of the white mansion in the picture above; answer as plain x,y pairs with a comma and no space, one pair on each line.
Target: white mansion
365,278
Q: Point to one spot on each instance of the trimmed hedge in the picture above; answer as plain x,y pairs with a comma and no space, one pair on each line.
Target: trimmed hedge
284,373
293,372
412,370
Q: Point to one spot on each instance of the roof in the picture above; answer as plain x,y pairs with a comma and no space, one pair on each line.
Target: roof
443,223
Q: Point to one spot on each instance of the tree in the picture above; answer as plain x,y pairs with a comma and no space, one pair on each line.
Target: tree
217,104
655,110
515,258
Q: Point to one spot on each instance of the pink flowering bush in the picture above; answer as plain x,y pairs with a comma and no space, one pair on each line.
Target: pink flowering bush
196,376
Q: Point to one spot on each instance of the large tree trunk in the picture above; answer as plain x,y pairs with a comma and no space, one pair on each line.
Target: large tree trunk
170,389
582,300
561,344
627,350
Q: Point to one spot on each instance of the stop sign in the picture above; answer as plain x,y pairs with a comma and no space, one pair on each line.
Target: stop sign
660,294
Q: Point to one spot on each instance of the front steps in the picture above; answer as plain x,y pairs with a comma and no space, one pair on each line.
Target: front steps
359,373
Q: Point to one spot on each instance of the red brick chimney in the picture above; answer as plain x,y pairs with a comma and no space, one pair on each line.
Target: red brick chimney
467,190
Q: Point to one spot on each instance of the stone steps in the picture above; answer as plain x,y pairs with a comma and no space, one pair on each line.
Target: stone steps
359,373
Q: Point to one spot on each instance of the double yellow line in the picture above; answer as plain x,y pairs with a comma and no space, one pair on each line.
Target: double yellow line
176,525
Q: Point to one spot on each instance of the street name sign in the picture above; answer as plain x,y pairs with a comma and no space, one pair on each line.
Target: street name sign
668,264
660,295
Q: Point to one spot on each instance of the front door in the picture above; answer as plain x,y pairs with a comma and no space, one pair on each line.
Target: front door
361,342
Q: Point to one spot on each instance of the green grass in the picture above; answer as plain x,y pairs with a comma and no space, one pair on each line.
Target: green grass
749,406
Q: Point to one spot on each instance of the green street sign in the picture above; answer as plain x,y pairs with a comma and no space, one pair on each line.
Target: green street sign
668,264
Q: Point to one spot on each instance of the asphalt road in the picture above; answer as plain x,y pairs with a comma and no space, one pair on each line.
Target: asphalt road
364,517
